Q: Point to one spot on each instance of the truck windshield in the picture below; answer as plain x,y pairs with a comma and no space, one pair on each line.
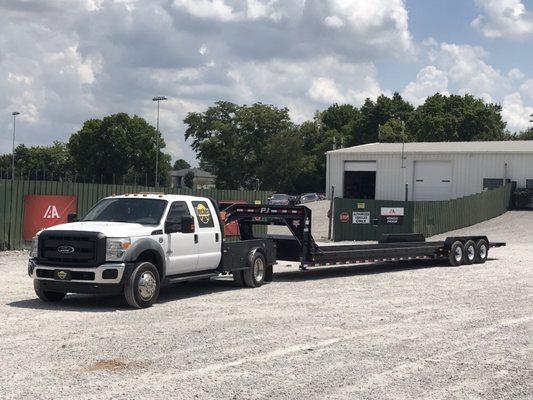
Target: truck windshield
139,211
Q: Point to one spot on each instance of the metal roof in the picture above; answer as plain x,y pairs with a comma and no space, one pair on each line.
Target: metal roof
510,146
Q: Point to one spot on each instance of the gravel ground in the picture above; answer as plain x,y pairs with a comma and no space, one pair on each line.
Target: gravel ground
368,332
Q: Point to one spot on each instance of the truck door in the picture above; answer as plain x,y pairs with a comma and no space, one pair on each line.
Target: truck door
182,253
209,236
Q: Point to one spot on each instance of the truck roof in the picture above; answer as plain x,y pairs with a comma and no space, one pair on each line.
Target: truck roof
162,196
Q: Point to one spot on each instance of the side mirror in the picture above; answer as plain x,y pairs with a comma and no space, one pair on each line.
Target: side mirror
187,224
72,217
172,227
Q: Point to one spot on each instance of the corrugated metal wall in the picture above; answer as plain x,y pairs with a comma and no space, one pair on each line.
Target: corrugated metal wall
468,171
426,217
12,200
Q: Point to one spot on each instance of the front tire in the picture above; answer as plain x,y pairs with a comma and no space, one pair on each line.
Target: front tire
255,275
142,287
47,296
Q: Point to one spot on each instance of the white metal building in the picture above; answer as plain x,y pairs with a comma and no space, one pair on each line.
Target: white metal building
428,171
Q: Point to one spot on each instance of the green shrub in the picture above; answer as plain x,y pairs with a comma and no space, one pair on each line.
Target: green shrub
521,197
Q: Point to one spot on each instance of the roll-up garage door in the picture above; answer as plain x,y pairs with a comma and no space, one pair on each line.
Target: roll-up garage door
433,180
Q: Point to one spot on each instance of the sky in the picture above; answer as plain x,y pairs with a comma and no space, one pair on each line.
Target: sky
65,61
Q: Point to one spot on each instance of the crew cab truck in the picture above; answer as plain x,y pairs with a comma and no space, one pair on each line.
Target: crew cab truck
134,244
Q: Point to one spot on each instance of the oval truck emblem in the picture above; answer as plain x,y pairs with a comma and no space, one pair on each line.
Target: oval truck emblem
66,249
61,274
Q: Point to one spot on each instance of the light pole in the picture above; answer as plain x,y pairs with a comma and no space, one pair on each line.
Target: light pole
14,114
158,99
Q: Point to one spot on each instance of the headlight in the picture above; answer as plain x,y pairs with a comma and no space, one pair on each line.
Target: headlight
116,248
34,247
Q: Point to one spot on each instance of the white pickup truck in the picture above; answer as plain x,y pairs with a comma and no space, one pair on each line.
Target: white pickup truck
133,244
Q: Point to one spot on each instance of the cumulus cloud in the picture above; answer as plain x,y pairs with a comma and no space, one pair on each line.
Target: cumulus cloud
503,18
64,61
460,68
429,80
515,112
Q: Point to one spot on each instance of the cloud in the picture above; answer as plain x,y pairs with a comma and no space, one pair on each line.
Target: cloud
503,18
515,74
65,61
457,68
515,112
460,69
429,80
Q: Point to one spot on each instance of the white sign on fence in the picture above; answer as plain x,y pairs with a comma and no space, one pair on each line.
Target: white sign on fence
360,217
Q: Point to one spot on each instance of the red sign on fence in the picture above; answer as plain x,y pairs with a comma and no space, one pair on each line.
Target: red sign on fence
45,211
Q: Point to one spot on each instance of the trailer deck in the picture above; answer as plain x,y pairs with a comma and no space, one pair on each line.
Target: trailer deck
300,245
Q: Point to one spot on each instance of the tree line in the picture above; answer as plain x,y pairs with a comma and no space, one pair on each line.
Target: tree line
257,146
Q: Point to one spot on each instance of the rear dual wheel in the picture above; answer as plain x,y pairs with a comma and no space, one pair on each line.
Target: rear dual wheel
254,275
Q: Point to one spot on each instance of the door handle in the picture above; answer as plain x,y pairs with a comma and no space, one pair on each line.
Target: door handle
216,237
195,238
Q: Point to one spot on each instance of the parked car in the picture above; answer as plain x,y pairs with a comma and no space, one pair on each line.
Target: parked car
309,197
280,199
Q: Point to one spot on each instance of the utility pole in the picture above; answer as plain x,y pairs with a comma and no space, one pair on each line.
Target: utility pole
158,99
14,114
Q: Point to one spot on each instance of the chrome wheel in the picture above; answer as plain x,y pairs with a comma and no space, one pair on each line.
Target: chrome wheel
471,252
147,286
483,251
259,269
458,254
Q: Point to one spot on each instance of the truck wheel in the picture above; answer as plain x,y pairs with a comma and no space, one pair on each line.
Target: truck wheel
255,275
470,252
142,287
457,252
238,278
482,251
47,296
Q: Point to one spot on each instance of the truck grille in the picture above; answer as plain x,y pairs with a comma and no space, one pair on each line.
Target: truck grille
84,249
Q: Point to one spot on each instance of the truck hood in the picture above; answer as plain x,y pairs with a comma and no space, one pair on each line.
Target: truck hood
110,229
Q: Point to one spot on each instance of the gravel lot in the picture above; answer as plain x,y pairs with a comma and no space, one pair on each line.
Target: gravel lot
368,332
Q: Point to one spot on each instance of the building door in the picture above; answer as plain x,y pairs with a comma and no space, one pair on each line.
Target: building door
359,180
432,180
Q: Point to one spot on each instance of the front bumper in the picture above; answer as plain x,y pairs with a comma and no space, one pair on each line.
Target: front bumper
94,279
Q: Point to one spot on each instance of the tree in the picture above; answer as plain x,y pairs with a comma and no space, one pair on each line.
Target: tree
39,162
230,141
524,135
373,114
188,180
118,147
456,118
181,164
394,131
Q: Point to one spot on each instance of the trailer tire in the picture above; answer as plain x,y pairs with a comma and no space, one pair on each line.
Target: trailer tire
142,287
238,278
470,251
457,254
254,276
47,296
482,251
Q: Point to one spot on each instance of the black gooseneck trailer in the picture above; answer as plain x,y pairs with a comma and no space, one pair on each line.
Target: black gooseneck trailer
301,247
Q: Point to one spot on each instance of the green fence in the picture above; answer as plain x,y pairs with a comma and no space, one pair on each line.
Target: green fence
12,200
356,219
434,217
